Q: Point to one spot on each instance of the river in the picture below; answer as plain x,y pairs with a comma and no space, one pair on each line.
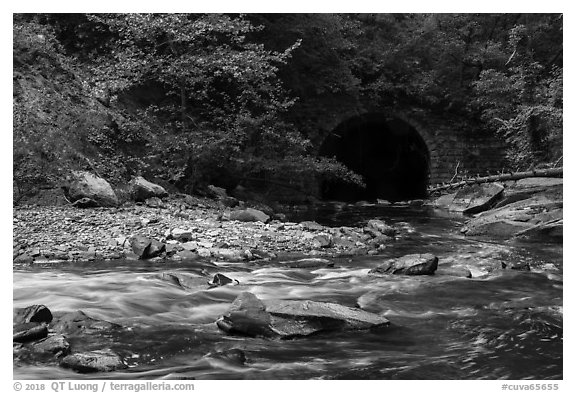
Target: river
499,324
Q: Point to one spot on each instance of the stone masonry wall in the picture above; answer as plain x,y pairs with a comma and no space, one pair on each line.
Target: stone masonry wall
449,142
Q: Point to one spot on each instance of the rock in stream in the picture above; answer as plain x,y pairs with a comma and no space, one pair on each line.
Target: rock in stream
251,316
413,264
94,361
34,313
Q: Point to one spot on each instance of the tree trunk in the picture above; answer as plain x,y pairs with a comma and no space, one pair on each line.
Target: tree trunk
183,105
551,172
182,92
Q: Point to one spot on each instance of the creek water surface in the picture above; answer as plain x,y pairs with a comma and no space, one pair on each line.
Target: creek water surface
499,324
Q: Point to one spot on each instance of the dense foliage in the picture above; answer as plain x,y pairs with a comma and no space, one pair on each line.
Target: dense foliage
197,98
55,124
503,72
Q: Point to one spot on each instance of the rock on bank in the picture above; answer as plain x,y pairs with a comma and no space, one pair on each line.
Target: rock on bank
530,208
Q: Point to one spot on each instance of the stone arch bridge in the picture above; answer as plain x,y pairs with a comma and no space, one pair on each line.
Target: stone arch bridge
398,153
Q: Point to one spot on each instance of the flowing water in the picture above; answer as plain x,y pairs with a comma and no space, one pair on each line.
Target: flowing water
500,324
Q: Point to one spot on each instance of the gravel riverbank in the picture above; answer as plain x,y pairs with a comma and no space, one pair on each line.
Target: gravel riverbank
179,230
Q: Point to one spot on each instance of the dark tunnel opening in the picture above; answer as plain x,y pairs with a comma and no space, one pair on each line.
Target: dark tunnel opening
389,154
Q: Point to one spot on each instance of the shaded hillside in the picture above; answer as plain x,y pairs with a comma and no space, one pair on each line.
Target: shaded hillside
195,99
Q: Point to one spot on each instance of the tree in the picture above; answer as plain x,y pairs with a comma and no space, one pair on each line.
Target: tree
522,99
502,72
55,126
319,72
221,99
194,98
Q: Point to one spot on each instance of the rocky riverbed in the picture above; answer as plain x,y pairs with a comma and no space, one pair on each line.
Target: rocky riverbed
184,227
225,284
179,228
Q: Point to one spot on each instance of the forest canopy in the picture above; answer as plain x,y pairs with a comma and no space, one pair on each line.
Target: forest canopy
189,98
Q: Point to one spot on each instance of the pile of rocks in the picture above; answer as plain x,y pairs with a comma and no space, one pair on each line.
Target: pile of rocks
180,229
39,336
157,225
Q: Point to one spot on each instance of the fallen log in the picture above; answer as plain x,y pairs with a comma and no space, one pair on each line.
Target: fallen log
550,172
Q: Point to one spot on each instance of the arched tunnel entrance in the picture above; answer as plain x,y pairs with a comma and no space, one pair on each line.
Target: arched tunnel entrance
389,154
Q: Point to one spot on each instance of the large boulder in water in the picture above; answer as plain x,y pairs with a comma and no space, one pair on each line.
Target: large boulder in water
526,188
303,317
250,316
186,281
247,316
413,264
538,217
141,189
94,361
77,322
29,331
86,185
36,313
472,199
220,280
56,345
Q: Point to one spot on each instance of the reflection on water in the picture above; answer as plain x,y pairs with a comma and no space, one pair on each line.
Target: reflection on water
500,324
